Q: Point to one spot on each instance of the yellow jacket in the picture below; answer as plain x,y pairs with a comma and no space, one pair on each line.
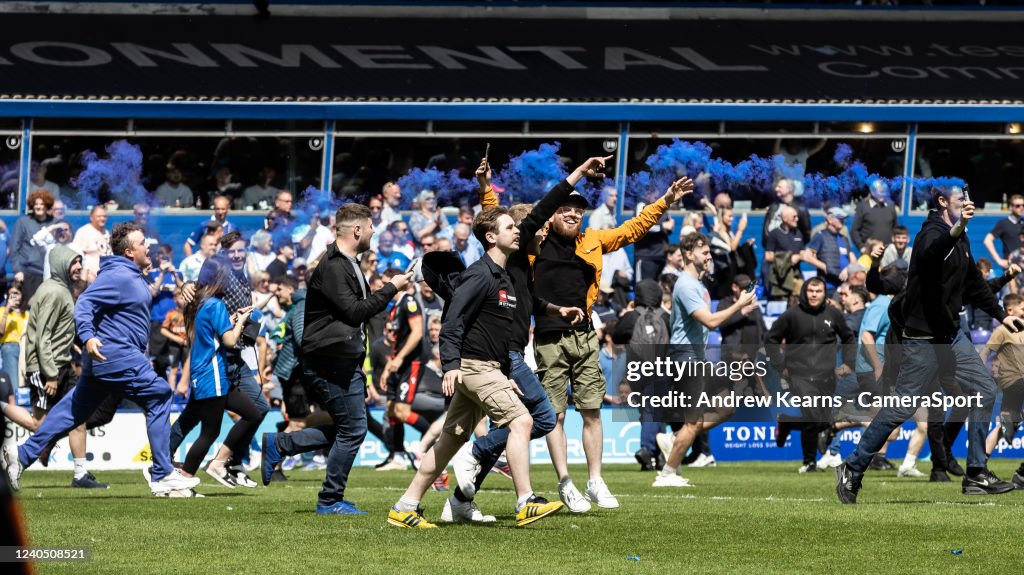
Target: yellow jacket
592,244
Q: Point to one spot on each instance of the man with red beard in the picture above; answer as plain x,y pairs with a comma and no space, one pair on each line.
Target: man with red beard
567,274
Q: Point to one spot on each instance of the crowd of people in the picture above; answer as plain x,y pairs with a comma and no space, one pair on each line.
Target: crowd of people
506,316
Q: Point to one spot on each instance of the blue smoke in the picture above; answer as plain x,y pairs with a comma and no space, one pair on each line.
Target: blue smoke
528,176
119,173
449,187
758,175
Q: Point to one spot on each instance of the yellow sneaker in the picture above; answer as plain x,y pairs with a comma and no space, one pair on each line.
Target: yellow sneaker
409,519
536,508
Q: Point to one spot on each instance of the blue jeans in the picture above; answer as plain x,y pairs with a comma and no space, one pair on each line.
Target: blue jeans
240,376
340,387
9,353
139,384
487,449
922,360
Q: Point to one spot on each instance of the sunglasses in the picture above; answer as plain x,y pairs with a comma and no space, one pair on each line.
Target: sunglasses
1018,205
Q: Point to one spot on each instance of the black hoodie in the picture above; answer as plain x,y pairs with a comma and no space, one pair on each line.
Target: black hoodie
811,334
942,278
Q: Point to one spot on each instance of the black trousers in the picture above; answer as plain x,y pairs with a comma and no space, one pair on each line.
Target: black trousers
210,412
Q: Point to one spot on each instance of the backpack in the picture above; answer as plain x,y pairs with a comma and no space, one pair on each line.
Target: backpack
650,335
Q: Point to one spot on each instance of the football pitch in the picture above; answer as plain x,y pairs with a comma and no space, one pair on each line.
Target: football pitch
739,517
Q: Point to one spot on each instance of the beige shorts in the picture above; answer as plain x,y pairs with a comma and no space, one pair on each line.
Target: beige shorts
484,390
566,358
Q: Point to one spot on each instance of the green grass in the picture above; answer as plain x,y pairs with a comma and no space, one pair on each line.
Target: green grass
751,517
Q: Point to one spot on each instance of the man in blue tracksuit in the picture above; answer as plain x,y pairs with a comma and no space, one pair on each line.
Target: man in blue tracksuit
112,318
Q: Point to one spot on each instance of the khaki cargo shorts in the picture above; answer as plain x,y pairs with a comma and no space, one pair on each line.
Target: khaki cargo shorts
570,357
485,390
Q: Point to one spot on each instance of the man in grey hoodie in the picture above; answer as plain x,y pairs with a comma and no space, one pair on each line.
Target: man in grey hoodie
48,338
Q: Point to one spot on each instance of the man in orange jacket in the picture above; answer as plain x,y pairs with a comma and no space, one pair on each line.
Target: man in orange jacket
567,273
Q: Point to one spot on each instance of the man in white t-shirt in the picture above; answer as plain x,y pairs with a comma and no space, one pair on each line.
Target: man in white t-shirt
92,241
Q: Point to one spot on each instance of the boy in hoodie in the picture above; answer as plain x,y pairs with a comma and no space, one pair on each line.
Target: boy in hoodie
810,331
48,337
112,318
941,279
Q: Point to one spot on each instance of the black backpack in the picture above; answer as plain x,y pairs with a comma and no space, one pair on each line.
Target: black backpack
650,335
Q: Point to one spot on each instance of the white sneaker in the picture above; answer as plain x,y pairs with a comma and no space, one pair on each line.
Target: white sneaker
673,480
665,441
12,465
704,461
597,492
238,474
910,471
179,494
808,468
147,472
456,511
572,498
173,481
255,459
290,463
830,461
221,475
466,469
397,463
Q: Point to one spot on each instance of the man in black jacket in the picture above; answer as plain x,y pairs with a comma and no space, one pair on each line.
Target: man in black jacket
810,331
338,304
475,358
942,277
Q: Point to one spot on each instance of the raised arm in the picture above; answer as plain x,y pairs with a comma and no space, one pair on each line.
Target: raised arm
638,226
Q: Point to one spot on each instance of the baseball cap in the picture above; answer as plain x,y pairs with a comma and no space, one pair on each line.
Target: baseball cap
742,280
578,199
837,212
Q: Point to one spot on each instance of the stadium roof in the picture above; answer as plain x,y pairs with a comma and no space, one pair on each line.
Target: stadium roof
490,63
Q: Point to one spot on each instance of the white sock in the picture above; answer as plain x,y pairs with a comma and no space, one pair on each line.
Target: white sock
407,504
80,469
909,461
521,502
666,470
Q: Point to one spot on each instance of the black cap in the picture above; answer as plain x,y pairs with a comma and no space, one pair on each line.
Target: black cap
742,280
578,199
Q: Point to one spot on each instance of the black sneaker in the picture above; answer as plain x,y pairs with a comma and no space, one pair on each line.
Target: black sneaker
825,437
387,460
939,476
643,457
659,461
880,463
88,481
985,483
1018,481
847,484
782,430
954,466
